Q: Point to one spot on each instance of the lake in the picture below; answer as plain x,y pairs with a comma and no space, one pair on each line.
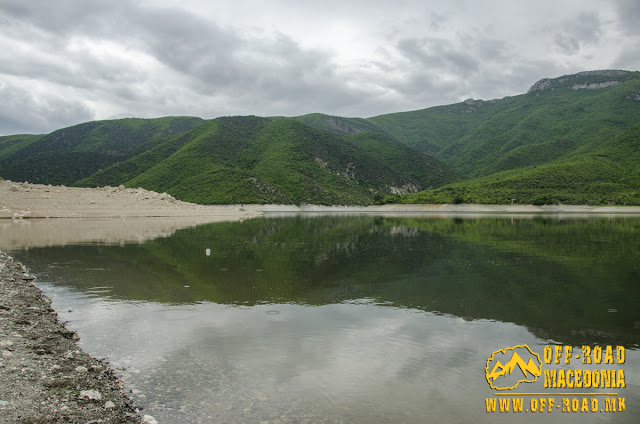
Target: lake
354,318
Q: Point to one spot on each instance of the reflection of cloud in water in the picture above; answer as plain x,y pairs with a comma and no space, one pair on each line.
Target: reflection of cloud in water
360,361
351,362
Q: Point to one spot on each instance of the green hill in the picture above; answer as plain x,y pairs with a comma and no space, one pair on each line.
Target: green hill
225,160
556,119
257,160
610,174
70,154
571,139
427,171
239,160
339,126
11,144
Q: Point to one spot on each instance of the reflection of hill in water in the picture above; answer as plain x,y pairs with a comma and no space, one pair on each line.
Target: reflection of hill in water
562,279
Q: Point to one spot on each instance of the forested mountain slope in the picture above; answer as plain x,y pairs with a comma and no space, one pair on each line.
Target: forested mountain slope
556,119
572,139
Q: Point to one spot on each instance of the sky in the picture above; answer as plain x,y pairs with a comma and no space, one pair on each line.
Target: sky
64,62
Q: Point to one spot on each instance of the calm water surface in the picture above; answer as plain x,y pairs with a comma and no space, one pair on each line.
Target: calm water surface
356,319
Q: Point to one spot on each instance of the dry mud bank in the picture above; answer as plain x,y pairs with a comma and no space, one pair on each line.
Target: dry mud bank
23,200
45,377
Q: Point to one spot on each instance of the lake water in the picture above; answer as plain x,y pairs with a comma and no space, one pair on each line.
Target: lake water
354,319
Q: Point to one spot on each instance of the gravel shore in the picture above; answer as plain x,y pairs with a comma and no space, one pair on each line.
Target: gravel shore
45,377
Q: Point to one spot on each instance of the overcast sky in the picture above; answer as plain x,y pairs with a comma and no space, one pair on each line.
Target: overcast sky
63,62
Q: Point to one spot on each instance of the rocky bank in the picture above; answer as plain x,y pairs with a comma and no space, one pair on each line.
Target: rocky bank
44,376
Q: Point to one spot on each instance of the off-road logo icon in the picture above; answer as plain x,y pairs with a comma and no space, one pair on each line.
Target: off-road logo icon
506,368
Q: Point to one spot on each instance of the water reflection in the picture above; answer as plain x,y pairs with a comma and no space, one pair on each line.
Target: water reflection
568,280
352,319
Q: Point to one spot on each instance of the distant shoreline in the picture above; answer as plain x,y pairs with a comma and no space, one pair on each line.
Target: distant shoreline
449,209
28,201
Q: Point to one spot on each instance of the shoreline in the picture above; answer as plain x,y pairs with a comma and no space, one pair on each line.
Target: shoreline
447,208
46,376
27,201
24,201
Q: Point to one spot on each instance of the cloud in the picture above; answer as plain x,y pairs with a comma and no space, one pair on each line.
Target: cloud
135,44
439,54
143,58
579,31
25,112
629,15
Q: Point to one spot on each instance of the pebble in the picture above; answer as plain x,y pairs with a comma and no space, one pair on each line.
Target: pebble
4,403
5,344
149,419
6,354
90,394
109,404
81,369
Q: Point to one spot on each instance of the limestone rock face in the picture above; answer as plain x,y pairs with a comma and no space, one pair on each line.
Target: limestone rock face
581,80
543,84
595,85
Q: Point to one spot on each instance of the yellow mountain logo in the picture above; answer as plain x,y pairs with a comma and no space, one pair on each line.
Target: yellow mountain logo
515,369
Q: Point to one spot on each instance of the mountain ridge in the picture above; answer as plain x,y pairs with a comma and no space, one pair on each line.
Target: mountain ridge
568,139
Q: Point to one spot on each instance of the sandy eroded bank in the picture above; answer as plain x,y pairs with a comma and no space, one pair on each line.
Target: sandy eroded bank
22,200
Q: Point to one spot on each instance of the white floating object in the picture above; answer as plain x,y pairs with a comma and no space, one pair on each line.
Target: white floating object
208,252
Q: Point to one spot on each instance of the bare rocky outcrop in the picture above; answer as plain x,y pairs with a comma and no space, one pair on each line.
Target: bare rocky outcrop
543,84
404,189
473,104
579,80
595,85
